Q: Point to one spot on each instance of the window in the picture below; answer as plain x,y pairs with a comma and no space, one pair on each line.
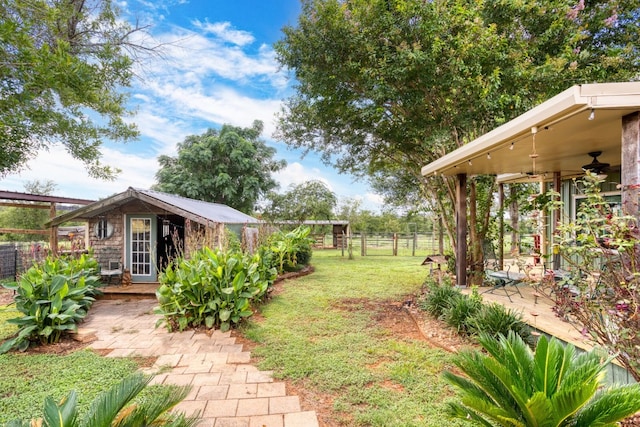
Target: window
103,229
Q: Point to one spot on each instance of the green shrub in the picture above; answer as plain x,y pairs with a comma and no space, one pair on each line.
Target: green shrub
511,385
461,309
53,296
291,249
213,288
439,298
495,319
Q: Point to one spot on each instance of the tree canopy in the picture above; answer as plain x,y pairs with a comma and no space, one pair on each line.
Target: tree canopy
309,200
231,166
63,65
387,86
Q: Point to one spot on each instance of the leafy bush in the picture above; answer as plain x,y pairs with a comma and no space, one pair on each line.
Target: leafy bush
510,385
116,407
439,298
461,309
54,296
213,288
291,249
495,319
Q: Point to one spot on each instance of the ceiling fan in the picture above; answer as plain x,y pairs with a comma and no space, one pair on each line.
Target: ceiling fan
596,166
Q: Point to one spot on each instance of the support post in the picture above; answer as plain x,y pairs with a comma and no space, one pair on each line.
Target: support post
501,226
53,233
461,230
630,174
557,187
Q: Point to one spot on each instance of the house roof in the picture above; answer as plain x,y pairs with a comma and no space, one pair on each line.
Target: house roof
195,210
582,119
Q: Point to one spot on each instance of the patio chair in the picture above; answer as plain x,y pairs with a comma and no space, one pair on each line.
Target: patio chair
114,271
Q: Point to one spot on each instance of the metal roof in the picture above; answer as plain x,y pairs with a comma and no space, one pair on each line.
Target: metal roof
195,210
565,128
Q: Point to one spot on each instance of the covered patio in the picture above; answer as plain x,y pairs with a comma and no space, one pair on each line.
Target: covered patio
551,143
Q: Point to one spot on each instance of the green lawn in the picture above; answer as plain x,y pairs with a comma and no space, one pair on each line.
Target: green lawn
321,333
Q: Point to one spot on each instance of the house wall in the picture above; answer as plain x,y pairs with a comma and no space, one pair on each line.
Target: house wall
110,248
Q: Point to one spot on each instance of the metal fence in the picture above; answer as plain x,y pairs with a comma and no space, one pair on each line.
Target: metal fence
18,256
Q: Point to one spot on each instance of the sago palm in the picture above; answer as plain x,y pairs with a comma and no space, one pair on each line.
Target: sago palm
553,387
116,408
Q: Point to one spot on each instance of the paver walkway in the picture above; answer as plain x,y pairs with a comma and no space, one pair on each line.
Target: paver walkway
226,389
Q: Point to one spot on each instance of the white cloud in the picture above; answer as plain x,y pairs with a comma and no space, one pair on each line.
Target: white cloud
223,31
295,173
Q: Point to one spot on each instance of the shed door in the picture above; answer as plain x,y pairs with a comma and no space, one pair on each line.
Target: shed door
141,241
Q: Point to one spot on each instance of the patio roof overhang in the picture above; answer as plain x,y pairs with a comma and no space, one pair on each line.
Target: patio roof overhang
582,119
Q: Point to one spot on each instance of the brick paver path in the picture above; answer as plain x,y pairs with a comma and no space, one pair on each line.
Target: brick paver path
226,389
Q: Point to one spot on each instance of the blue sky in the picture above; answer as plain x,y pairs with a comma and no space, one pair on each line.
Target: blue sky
217,66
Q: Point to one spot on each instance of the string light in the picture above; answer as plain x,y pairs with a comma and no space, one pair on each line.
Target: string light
469,162
511,147
592,115
488,156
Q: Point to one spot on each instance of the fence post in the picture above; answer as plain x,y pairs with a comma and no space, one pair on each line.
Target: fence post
415,243
395,244
363,244
342,245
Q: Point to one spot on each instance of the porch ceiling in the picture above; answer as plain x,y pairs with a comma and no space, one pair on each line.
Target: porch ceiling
565,134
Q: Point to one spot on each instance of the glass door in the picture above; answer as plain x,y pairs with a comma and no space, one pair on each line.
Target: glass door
140,245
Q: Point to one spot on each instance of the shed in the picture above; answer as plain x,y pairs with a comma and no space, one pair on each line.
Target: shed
143,229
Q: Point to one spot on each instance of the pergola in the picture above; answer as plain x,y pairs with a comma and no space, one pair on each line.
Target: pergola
37,201
552,142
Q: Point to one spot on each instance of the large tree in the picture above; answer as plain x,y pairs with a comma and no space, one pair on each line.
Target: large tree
308,200
387,86
63,64
231,166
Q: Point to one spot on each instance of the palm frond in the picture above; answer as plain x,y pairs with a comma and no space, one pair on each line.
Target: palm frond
106,406
610,405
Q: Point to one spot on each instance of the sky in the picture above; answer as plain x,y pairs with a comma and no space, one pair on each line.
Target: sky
217,66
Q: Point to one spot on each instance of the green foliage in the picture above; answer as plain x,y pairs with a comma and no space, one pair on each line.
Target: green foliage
115,406
461,308
439,298
511,385
212,289
401,83
62,66
231,166
53,296
290,248
601,295
495,320
309,200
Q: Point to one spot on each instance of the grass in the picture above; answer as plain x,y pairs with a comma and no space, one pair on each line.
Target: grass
27,379
321,332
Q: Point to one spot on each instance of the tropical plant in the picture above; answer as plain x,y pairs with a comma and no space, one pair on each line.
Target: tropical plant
53,296
291,248
213,288
116,406
513,386
601,293
495,319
